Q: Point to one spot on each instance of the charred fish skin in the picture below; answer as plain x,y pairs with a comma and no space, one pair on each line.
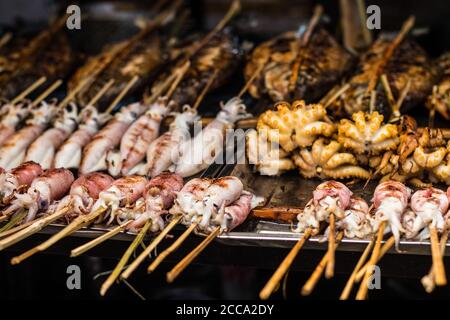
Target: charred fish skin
409,62
323,63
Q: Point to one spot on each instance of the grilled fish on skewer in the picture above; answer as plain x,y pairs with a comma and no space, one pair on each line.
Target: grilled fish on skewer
20,177
83,193
69,153
43,149
12,153
159,196
440,99
163,151
198,153
95,153
323,63
52,185
390,200
140,134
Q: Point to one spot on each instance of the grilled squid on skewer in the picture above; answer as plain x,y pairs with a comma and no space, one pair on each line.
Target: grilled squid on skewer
70,152
137,138
83,193
390,200
429,207
52,185
163,151
12,152
198,153
43,149
357,222
20,177
123,192
14,115
94,154
329,197
159,196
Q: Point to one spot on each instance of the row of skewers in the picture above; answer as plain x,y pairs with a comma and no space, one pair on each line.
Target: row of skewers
133,203
336,212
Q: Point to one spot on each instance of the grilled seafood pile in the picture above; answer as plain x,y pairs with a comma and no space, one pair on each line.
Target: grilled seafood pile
364,147
323,62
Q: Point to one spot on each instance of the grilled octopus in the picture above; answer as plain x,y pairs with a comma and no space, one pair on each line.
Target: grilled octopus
323,62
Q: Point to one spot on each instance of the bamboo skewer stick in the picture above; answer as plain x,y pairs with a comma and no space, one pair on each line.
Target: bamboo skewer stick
387,89
406,27
77,224
303,42
100,93
172,248
205,89
36,226
95,242
5,39
144,254
329,272
364,287
73,93
284,266
428,281
349,285
18,228
176,271
336,95
310,284
159,91
17,218
28,90
384,249
122,94
438,263
47,92
123,261
180,74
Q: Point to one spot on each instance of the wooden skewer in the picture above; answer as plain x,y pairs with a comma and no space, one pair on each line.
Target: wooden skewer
389,51
28,90
175,272
36,226
205,89
122,94
159,90
250,81
5,39
373,98
123,261
310,284
18,228
284,266
100,93
364,287
387,89
336,95
385,248
72,93
77,224
47,92
428,281
349,285
302,42
95,242
438,263
144,254
180,74
17,218
329,272
172,248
